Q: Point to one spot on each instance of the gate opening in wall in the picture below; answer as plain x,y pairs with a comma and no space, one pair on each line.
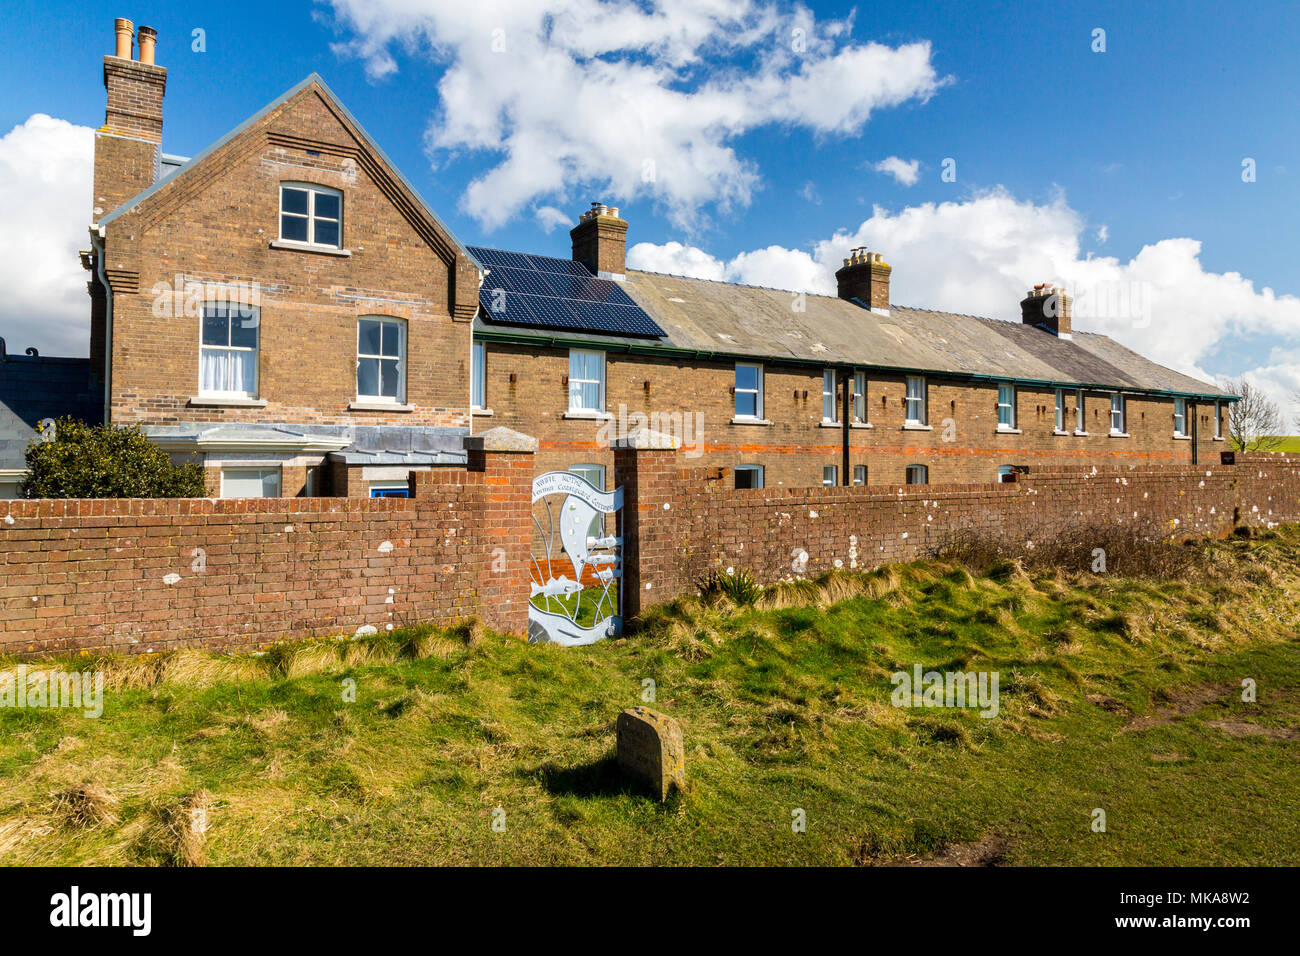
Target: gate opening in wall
576,562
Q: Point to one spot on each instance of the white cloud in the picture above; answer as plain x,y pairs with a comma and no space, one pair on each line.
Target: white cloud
981,255
630,100
676,259
45,191
905,171
550,218
1103,234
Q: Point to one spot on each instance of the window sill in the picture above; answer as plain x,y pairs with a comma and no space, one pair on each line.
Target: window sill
309,247
364,406
1219,438
1120,435
483,412
1079,434
221,401
1009,431
826,424
917,427
1182,438
1059,433
750,420
589,415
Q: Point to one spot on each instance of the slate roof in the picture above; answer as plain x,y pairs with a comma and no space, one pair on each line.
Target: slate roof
353,444
36,387
724,319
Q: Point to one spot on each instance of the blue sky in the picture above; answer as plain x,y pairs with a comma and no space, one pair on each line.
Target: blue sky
1110,153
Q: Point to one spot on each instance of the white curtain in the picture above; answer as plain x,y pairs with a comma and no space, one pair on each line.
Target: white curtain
228,370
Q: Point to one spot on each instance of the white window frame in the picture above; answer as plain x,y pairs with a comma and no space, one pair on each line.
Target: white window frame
860,470
256,350
1009,405
828,395
575,384
860,398
312,190
911,400
924,471
757,392
374,486
1117,409
262,470
1218,422
756,470
401,361
1060,411
1180,418
1080,420
830,475
478,375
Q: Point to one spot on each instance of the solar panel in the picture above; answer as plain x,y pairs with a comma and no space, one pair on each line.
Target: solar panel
556,293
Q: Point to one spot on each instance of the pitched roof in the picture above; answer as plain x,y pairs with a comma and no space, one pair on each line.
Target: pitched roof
175,168
726,320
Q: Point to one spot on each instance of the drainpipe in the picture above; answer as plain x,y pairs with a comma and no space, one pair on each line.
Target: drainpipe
846,380
97,243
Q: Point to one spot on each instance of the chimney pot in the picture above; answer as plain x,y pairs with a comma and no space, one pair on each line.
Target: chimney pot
125,30
148,37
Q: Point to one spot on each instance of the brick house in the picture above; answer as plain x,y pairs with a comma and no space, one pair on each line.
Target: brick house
285,309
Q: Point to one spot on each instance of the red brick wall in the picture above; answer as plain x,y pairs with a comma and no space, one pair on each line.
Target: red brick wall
794,448
212,229
94,574
682,524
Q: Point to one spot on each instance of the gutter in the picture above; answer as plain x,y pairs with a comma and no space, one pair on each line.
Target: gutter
97,243
672,351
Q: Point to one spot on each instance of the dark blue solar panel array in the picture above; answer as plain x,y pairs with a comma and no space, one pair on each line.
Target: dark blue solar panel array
558,294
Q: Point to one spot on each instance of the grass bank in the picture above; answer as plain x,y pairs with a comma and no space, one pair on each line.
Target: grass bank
1120,693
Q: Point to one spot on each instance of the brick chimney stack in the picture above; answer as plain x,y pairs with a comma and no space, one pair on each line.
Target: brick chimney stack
1047,308
127,146
865,277
600,241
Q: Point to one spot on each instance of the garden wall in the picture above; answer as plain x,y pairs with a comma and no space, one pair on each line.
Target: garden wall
150,575
687,521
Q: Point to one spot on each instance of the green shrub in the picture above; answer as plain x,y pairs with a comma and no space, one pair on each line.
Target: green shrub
106,461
